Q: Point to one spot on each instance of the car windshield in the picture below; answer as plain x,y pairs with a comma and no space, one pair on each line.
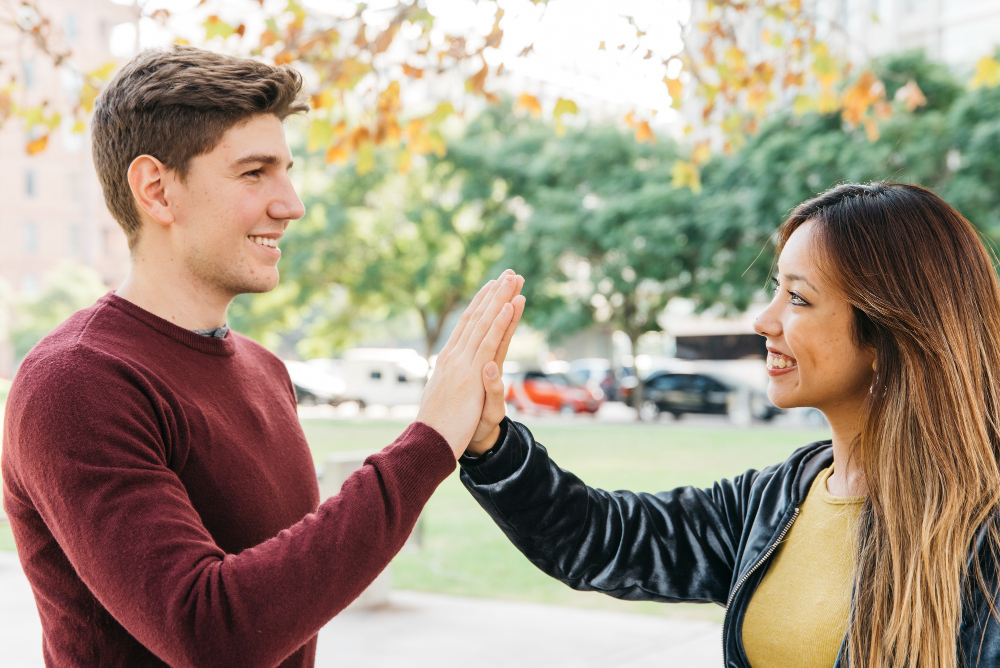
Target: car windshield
569,378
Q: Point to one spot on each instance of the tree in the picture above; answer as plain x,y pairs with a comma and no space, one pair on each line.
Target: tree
388,244
740,62
65,290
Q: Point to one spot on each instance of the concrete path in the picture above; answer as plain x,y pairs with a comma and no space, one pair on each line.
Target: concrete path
428,630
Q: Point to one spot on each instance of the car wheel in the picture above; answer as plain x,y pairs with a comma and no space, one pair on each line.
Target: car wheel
567,410
677,414
650,411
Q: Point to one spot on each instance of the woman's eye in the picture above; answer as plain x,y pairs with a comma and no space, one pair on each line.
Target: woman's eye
796,300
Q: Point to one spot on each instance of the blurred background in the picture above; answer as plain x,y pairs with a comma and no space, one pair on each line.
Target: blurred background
631,159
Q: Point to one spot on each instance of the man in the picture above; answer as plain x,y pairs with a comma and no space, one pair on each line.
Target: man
158,484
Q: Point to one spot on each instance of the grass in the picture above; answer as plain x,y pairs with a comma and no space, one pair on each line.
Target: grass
464,553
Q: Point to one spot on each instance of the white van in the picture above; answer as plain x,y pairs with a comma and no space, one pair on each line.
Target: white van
383,376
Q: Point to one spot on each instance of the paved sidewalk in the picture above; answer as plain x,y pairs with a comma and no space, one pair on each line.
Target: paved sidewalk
428,630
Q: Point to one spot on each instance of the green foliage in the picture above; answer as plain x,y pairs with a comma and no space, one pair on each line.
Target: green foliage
66,289
383,245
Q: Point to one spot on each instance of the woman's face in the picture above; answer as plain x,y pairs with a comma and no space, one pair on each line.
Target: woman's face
812,356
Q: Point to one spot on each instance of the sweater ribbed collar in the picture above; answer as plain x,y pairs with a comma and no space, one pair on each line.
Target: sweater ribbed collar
225,347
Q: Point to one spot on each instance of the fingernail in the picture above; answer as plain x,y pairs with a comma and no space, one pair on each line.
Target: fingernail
491,370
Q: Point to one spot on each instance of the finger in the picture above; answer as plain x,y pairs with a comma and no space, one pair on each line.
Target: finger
485,305
501,299
518,304
494,409
463,320
488,348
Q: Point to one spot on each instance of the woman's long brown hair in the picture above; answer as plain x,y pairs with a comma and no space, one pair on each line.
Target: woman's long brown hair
926,301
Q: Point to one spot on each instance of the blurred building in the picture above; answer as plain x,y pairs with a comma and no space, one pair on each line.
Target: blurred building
54,210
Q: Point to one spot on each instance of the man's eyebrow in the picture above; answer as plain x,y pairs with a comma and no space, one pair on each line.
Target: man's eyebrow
261,158
796,277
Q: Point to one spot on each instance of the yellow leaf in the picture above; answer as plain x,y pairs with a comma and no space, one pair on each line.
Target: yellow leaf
37,145
564,106
320,134
216,27
443,111
674,88
685,175
181,40
104,72
366,159
701,153
987,73
529,103
322,100
87,96
79,127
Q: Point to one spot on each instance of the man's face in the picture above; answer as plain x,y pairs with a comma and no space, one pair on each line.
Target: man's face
232,208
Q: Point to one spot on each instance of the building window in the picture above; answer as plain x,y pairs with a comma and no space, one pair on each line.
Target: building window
29,182
30,237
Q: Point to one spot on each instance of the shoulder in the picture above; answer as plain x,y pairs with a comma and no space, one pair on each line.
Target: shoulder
259,356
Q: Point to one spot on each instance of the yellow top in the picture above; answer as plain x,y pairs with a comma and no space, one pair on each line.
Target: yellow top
798,615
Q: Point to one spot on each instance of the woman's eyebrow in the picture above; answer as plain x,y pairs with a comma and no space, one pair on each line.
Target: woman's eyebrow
796,277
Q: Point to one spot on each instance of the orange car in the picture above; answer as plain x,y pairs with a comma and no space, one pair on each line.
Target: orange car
552,391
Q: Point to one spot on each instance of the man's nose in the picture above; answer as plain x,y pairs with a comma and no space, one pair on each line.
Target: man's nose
287,205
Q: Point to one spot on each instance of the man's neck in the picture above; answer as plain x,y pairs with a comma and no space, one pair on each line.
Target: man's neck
174,298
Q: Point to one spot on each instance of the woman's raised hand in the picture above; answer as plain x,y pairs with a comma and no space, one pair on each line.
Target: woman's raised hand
455,395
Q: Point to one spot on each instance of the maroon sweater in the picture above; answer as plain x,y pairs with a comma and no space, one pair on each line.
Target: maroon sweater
164,502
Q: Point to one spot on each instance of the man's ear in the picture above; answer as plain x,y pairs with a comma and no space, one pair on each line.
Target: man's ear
147,177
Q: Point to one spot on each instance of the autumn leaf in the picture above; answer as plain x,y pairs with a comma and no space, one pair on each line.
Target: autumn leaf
674,88
644,133
366,159
216,27
412,72
564,106
104,72
911,96
37,145
529,103
987,73
685,175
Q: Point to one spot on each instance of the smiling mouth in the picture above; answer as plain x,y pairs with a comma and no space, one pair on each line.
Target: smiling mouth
264,241
779,361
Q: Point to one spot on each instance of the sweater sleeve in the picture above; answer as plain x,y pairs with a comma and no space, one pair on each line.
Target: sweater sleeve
87,451
678,545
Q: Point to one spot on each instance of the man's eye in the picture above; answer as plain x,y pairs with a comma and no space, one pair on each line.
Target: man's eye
255,172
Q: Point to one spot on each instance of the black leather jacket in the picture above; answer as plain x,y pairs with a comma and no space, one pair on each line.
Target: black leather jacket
687,544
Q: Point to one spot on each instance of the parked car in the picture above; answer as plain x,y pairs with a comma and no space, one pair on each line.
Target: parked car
383,376
314,385
679,393
564,392
597,372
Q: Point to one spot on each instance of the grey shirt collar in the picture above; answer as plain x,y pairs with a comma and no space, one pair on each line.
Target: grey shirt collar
217,333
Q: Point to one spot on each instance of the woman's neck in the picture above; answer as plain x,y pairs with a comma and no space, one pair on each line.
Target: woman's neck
847,478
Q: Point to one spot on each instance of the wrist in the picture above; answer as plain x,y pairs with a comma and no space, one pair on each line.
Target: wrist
480,447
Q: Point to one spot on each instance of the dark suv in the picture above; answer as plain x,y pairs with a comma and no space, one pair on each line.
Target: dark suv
679,393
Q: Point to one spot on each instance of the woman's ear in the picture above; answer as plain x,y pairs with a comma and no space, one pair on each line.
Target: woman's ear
147,178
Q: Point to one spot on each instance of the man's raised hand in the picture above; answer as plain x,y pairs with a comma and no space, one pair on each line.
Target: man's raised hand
453,400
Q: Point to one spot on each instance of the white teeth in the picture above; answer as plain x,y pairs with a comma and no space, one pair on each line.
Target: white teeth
265,241
780,361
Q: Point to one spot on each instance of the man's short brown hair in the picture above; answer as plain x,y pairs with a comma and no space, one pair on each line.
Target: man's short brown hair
175,105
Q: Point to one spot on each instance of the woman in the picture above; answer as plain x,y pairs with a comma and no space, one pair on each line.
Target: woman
876,548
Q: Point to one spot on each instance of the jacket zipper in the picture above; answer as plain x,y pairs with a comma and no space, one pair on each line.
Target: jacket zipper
764,557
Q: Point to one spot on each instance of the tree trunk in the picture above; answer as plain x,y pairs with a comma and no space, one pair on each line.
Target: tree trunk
638,394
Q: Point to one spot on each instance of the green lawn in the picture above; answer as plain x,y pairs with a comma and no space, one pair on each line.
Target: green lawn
465,553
